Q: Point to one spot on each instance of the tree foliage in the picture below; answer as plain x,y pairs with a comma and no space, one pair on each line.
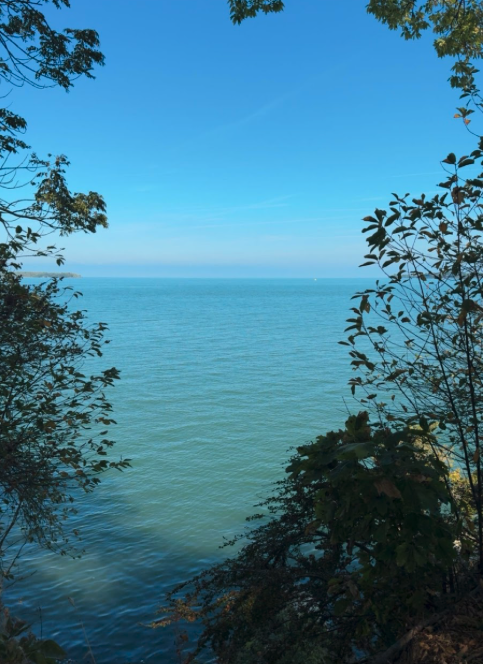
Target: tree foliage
50,406
242,9
360,536
35,53
424,321
53,411
457,26
18,645
378,527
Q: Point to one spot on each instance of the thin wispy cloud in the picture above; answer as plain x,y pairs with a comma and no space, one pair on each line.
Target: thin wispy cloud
260,112
266,108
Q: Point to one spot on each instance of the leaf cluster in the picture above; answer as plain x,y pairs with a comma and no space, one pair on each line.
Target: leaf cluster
423,322
19,646
54,416
54,412
34,52
242,9
357,542
456,24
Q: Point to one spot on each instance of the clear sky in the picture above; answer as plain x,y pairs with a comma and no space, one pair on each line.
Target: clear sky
252,150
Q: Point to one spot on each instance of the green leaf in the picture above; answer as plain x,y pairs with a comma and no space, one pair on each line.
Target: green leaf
402,554
423,423
52,649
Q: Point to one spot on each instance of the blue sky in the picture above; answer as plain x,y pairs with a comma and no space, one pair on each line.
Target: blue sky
252,150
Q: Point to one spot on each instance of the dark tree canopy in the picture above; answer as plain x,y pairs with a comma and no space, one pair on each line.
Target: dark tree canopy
33,52
424,320
359,536
457,26
242,9
54,412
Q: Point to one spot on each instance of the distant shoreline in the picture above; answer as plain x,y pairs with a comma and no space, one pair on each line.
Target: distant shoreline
27,273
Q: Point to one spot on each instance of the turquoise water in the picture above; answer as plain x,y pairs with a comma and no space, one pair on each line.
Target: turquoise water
219,379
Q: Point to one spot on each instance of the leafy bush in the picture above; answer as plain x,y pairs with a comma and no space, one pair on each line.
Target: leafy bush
360,538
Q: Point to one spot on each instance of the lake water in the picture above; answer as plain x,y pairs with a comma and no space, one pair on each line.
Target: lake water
219,379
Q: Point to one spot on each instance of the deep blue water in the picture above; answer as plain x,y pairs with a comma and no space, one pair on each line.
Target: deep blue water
219,379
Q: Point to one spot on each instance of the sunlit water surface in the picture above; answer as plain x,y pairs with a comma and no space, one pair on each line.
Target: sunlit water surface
219,379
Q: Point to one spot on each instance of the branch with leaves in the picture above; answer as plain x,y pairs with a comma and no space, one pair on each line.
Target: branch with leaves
54,411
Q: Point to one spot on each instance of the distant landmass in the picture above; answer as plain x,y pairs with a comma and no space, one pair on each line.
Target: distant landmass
25,273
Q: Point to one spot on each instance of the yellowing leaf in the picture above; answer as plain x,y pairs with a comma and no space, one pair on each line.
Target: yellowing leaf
387,487
353,589
420,478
